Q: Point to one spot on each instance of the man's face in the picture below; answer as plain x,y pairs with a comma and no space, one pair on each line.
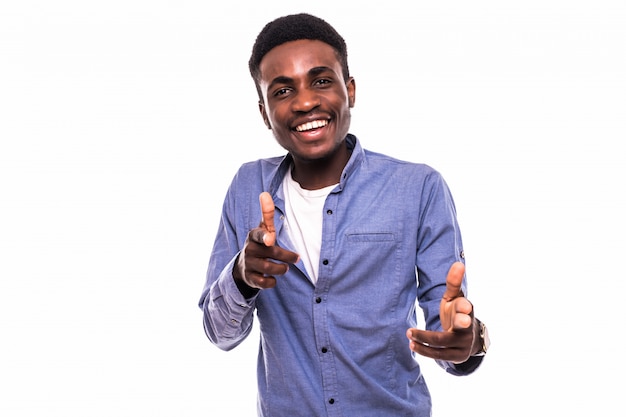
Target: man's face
306,101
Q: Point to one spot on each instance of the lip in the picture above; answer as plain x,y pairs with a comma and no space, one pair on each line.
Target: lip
311,125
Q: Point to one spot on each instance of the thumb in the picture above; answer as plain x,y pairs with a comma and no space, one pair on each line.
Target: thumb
454,281
267,212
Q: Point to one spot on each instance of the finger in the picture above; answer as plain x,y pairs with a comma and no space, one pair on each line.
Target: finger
430,339
454,281
463,306
462,321
267,267
261,281
440,345
267,211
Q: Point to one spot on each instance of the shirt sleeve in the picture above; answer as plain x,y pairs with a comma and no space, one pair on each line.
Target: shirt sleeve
461,369
228,316
440,246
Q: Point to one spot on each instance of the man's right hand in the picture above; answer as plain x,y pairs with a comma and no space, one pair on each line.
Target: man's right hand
260,260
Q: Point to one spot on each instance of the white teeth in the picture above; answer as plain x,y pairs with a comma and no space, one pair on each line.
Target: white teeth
312,125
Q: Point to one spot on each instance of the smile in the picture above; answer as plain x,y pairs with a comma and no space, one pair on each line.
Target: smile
315,124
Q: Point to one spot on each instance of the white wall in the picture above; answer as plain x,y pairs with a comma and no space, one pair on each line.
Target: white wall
122,123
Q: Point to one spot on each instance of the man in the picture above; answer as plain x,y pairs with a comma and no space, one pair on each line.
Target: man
348,241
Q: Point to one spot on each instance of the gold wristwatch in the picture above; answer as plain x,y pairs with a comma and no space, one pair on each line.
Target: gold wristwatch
484,338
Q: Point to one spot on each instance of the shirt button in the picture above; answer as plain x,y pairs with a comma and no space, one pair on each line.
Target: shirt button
329,211
331,401
325,261
324,350
318,300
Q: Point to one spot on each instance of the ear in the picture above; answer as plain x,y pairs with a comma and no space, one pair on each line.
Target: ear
351,87
266,119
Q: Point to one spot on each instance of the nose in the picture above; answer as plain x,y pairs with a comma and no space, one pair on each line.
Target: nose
306,100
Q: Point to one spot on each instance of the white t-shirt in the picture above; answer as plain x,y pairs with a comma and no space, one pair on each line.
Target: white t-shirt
303,219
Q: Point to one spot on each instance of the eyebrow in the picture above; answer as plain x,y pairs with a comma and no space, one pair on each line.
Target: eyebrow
319,70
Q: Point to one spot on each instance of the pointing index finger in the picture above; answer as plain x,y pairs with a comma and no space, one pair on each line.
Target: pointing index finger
267,211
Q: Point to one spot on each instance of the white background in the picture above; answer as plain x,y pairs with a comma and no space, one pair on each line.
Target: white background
122,123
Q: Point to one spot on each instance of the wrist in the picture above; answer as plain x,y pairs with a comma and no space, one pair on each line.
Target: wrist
245,290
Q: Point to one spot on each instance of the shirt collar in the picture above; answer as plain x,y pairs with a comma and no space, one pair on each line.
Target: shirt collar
356,158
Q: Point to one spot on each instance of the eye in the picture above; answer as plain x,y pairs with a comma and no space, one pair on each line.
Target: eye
322,81
281,92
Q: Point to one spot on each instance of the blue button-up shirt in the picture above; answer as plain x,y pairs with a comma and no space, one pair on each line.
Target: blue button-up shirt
338,348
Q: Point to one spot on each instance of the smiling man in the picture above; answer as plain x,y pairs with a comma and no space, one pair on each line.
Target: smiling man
348,242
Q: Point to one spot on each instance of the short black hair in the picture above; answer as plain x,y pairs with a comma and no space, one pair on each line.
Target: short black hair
292,28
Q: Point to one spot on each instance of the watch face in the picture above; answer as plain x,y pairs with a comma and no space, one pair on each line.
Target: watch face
484,334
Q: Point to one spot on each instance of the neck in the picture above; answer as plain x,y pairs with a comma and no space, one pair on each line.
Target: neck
320,173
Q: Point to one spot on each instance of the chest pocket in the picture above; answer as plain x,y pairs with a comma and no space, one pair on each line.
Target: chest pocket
371,237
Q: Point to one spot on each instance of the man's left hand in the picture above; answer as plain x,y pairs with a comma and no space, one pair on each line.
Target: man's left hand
460,335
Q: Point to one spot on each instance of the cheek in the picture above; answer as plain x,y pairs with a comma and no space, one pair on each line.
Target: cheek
279,119
276,114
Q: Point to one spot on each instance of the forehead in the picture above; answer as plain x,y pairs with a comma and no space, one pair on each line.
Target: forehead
296,58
